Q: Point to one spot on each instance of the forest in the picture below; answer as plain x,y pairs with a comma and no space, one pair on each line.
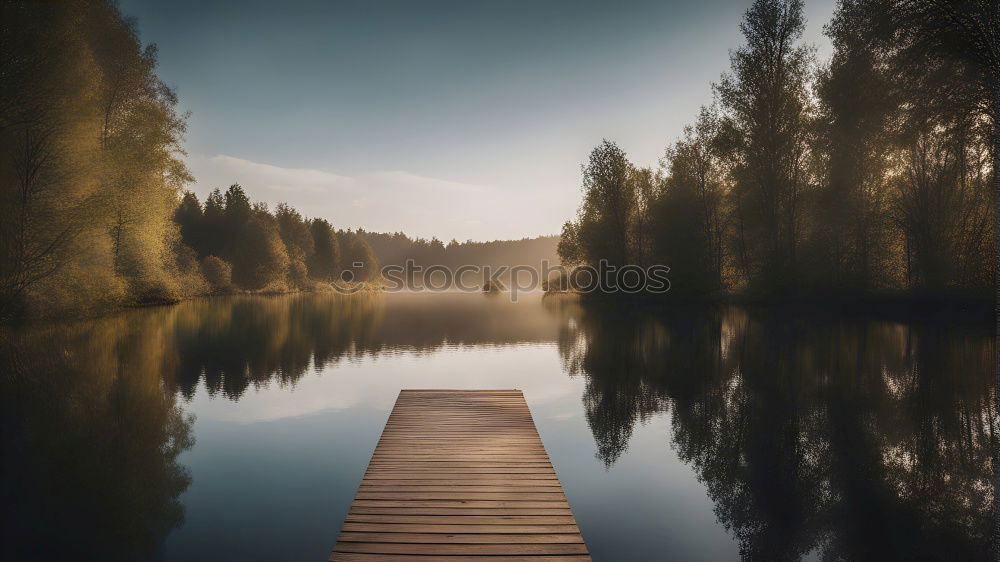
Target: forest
94,211
242,245
868,174
397,248
872,174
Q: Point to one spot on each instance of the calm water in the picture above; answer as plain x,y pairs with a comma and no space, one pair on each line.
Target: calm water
239,428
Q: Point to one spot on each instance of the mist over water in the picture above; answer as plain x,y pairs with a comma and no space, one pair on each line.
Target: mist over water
241,427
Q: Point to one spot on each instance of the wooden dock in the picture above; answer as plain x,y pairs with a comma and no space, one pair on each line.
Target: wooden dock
460,474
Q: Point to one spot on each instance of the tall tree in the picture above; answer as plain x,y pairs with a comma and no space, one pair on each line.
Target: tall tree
91,173
324,262
357,257
569,245
214,225
647,184
140,140
849,238
951,51
237,211
610,201
765,125
688,217
259,258
190,219
298,241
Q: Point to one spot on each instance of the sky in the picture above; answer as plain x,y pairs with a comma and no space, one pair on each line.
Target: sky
451,119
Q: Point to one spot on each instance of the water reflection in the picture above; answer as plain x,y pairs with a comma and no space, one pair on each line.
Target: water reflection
250,341
836,435
92,421
814,434
90,443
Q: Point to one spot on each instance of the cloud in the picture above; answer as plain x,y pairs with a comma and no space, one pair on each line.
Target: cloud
382,200
406,179
277,178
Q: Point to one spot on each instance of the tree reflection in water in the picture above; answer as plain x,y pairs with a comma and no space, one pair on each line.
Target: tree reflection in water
90,442
92,424
233,344
839,435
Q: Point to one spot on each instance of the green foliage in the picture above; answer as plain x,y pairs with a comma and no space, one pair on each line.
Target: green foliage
614,222
324,262
190,220
688,217
765,124
261,251
569,245
90,173
297,237
267,252
260,260
236,213
609,206
869,174
218,274
186,269
358,257
876,171
213,234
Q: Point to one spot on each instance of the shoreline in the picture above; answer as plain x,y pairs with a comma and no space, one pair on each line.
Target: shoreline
889,304
101,312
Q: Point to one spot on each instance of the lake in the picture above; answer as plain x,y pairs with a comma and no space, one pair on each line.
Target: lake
239,427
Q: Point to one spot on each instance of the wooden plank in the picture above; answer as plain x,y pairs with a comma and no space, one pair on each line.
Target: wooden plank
470,485
462,475
481,529
463,519
461,480
365,495
363,557
457,538
376,469
533,549
456,511
461,503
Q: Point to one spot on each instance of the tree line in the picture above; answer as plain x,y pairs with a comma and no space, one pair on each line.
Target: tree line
90,162
871,173
397,249
243,245
92,209
93,212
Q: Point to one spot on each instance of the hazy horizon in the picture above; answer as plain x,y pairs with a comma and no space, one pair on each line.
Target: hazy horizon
441,119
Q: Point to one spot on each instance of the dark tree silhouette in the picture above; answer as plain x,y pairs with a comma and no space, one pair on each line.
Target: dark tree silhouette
325,260
883,184
846,435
